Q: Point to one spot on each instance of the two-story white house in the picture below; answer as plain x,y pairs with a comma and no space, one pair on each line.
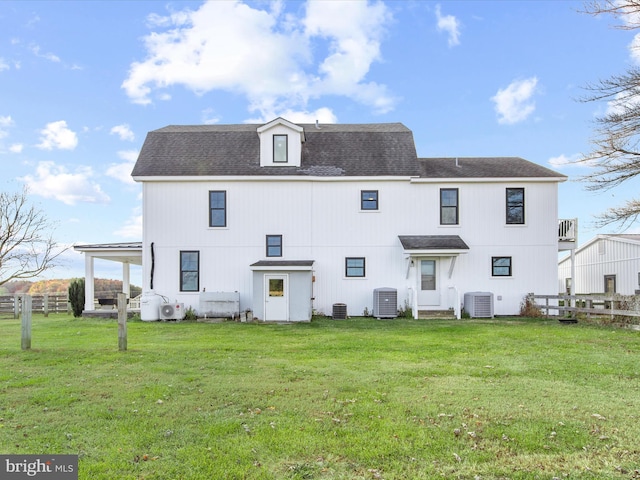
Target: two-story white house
297,218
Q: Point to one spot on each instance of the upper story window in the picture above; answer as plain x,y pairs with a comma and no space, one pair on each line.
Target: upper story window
354,267
369,199
500,266
274,245
189,271
280,143
218,208
448,206
280,148
515,206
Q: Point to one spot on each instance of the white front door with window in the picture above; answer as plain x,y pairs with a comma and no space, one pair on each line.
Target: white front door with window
276,298
428,282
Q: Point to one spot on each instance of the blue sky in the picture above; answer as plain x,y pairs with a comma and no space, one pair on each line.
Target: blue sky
82,82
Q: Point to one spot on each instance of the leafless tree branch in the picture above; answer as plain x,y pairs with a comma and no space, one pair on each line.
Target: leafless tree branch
27,248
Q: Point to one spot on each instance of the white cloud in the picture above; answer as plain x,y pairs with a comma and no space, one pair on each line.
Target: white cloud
16,148
450,25
322,115
5,122
3,65
132,228
266,55
564,161
57,135
54,181
514,103
122,171
124,132
35,49
209,117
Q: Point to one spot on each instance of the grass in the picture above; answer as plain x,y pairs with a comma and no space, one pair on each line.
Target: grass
355,399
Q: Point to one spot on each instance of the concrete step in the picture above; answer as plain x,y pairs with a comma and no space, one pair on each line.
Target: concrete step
433,314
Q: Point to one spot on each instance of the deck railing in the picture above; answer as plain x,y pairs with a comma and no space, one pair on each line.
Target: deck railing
568,230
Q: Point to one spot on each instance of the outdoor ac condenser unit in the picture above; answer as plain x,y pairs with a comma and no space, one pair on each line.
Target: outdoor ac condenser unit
385,303
479,304
172,311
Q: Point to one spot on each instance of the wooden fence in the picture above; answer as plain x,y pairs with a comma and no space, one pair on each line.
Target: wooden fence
570,305
46,303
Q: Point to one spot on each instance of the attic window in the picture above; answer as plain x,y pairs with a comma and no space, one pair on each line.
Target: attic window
280,149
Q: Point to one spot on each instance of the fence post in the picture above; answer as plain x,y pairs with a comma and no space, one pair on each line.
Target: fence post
45,304
16,305
546,304
122,322
26,322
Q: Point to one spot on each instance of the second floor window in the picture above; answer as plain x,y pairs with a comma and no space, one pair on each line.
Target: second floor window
280,147
515,206
274,245
218,208
448,206
369,200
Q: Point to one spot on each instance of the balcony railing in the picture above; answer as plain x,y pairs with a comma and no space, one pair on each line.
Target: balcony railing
568,230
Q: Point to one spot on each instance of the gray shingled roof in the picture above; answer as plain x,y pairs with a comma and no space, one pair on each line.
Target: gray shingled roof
488,167
333,150
432,242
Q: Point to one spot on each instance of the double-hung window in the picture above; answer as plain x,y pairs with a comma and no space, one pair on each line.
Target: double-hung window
515,206
274,245
280,149
448,206
369,199
500,266
354,267
189,271
218,208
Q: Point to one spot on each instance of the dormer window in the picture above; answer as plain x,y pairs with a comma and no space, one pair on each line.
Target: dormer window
280,148
280,143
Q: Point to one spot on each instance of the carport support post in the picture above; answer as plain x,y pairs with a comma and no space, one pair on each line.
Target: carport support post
26,322
122,322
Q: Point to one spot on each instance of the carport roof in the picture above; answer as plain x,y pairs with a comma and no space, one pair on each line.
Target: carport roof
129,252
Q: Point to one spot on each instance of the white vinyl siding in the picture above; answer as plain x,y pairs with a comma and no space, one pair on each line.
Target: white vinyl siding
311,215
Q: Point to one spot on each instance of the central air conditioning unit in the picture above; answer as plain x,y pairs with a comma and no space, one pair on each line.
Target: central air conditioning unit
385,303
172,311
479,304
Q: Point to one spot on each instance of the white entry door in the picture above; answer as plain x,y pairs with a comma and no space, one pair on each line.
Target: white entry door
276,297
429,291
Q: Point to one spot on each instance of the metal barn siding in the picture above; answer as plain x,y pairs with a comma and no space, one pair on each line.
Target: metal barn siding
617,255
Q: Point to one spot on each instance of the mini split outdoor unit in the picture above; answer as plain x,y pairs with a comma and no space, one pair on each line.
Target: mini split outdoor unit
172,311
385,303
479,304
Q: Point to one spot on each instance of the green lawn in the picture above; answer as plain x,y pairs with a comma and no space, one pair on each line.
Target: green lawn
343,399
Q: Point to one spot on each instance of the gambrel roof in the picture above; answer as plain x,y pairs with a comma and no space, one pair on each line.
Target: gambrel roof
329,150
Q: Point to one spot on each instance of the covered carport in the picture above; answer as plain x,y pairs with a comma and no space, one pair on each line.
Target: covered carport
126,253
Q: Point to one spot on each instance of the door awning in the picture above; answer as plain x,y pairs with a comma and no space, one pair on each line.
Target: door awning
288,265
433,245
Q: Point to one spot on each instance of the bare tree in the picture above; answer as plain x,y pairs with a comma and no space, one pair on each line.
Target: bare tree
615,153
26,246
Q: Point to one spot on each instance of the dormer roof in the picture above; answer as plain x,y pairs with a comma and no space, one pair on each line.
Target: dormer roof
284,122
